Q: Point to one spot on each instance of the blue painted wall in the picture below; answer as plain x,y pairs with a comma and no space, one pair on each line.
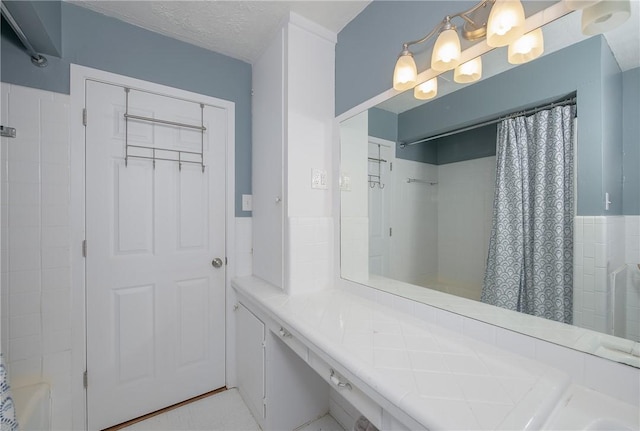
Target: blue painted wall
368,46
631,141
95,40
40,20
383,124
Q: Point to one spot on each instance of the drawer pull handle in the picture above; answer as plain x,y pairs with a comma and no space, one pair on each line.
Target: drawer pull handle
284,333
336,381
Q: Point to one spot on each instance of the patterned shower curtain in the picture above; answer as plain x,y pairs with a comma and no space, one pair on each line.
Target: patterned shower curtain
530,261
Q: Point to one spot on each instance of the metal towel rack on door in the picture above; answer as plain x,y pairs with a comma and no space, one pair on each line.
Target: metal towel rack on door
153,156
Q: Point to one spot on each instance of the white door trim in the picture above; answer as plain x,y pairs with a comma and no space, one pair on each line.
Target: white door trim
77,217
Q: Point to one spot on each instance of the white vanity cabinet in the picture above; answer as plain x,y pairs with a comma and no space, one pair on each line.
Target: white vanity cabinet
250,354
274,379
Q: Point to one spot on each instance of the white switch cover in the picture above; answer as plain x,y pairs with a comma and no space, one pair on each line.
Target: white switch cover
345,182
247,202
318,178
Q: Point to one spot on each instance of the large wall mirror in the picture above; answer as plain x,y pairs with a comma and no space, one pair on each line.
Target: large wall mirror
418,192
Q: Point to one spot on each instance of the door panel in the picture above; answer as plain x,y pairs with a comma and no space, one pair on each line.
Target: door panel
379,217
155,304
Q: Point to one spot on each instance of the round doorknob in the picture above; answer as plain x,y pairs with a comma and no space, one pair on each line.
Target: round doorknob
217,262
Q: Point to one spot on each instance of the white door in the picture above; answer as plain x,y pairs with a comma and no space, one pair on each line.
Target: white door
380,160
155,303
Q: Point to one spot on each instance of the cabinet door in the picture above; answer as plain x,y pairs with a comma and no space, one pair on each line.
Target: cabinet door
250,332
268,165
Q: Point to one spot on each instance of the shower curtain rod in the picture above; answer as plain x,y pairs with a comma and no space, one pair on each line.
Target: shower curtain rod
36,58
567,101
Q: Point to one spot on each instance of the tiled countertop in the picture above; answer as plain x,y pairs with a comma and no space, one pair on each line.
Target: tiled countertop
439,378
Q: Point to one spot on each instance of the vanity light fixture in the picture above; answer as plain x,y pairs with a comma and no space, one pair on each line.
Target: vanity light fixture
468,72
502,22
506,23
427,90
405,74
604,16
526,48
446,51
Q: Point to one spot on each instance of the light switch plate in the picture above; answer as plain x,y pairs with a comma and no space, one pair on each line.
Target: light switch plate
247,202
318,179
345,182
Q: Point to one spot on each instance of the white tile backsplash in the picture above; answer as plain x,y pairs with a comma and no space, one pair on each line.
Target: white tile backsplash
36,284
310,254
243,246
613,244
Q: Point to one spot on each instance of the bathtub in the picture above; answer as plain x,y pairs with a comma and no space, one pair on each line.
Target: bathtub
33,407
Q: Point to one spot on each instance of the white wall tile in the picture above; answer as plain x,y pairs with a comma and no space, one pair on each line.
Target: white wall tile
56,310
310,251
25,372
56,278
479,330
23,237
567,360
449,320
614,379
588,232
24,194
403,305
56,236
25,348
25,259
25,325
243,233
56,341
36,289
514,342
55,173
24,303
425,312
24,216
24,172
23,281
56,257
55,215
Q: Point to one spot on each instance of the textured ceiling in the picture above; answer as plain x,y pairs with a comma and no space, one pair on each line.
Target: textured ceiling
239,29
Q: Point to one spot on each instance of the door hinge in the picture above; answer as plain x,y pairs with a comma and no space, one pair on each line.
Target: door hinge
390,231
84,248
85,380
226,262
390,166
84,116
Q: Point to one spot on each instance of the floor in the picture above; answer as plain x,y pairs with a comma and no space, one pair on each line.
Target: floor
225,411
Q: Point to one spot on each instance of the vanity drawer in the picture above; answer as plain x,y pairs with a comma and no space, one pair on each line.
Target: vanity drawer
365,405
290,340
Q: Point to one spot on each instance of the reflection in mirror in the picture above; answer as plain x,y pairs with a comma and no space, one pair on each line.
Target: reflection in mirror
440,213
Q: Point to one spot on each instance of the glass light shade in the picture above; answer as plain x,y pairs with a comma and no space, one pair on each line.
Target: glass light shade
446,51
506,23
604,16
468,72
405,75
527,48
426,90
579,4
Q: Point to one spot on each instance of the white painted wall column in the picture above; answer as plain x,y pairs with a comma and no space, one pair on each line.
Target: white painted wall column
293,111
